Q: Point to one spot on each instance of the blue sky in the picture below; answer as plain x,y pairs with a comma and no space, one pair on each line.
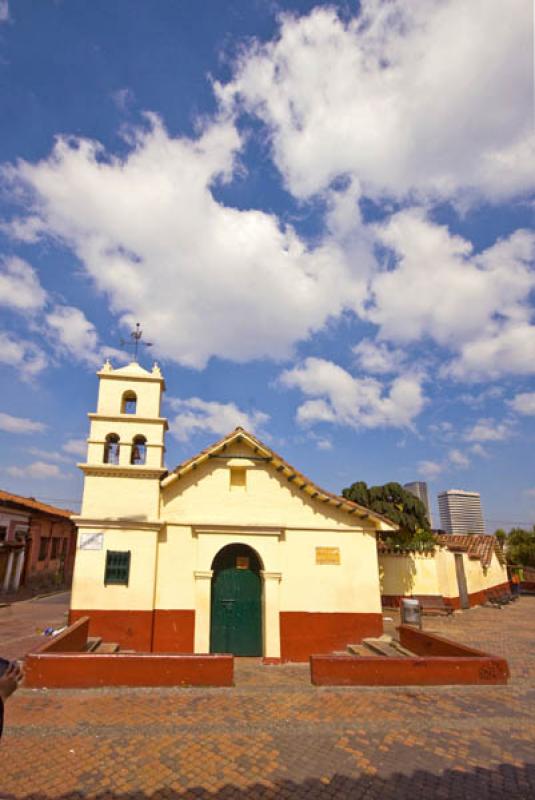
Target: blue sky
321,214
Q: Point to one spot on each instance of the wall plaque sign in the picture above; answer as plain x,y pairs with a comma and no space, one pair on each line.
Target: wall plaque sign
91,541
328,555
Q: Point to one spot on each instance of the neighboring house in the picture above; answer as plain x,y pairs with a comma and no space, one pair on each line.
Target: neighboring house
232,551
37,544
461,570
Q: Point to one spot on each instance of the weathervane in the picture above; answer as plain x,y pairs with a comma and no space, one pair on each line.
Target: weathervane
135,337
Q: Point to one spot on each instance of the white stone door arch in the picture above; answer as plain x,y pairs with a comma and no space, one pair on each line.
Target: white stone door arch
265,542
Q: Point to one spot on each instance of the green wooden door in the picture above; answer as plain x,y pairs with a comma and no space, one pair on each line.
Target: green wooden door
236,620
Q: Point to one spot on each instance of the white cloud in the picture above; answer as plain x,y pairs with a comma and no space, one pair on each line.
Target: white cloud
75,447
431,96
505,349
523,403
26,357
155,240
458,459
195,415
49,456
378,358
340,398
489,430
123,98
20,288
39,470
479,450
74,334
4,11
430,469
12,424
454,460
475,399
439,288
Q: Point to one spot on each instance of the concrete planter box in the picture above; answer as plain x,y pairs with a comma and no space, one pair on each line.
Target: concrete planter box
438,662
60,664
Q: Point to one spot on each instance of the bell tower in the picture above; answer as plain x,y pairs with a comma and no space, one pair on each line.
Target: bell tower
126,445
119,523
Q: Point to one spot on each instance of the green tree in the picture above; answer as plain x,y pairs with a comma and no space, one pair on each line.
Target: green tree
398,505
521,547
501,536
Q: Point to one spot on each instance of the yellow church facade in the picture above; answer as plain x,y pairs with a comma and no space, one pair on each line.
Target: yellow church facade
232,551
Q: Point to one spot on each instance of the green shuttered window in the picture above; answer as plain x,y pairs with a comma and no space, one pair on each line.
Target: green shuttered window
117,567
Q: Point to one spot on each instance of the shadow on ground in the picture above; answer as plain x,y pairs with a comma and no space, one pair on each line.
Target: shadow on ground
507,781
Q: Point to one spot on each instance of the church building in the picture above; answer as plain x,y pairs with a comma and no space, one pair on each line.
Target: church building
232,551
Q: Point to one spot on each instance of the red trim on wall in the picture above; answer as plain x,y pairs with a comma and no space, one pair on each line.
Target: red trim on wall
132,630
475,598
173,631
303,633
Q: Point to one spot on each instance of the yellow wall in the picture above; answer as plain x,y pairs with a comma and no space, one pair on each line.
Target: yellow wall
113,386
495,574
436,574
204,497
119,497
411,573
88,589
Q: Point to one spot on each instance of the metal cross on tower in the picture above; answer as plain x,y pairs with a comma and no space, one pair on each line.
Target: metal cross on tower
135,337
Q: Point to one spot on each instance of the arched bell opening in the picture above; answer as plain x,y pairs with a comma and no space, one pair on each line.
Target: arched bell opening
139,450
129,402
111,449
236,602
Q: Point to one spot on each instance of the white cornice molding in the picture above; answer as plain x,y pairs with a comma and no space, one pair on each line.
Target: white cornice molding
243,530
94,415
122,470
130,524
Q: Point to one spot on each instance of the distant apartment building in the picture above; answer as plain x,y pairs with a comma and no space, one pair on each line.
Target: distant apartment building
419,490
460,511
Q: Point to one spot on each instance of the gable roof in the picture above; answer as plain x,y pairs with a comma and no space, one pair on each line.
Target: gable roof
31,504
264,453
480,546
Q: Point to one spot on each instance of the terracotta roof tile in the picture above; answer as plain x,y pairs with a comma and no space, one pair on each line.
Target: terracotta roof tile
480,546
31,504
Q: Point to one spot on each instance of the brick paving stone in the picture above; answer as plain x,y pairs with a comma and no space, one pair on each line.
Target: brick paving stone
276,736
22,623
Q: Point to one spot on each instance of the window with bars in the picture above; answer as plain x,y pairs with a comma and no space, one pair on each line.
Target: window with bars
117,567
43,547
55,547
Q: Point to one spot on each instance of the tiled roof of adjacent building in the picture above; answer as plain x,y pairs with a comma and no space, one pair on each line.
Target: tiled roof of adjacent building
31,504
480,546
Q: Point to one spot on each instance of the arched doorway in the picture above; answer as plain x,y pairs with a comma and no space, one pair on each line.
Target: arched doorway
236,607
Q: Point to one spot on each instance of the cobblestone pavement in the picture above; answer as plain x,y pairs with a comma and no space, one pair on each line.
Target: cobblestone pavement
276,736
22,623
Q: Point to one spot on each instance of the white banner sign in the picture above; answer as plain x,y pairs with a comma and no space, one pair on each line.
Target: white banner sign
91,541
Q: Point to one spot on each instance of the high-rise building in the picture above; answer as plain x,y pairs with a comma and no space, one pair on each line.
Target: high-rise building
460,511
419,490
